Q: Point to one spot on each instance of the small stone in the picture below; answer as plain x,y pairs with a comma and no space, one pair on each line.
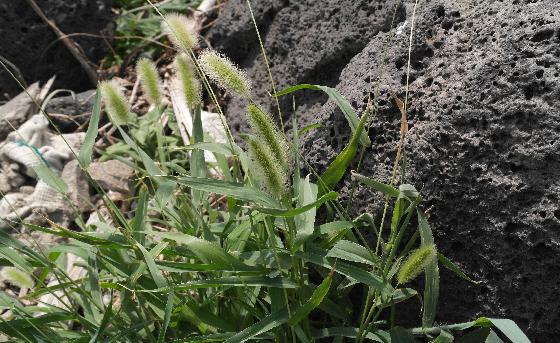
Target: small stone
112,175
17,110
78,187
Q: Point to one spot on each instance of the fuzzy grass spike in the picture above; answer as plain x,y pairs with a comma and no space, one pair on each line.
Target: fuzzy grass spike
224,73
16,277
150,80
188,82
180,31
415,263
116,105
272,175
266,130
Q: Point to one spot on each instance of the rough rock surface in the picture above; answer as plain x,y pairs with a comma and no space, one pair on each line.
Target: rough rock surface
33,47
112,175
17,110
69,112
484,110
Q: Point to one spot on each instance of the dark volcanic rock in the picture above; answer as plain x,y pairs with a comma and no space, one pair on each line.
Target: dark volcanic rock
33,48
484,110
70,112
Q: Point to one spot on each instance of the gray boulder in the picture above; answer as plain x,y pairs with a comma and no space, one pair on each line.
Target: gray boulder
484,111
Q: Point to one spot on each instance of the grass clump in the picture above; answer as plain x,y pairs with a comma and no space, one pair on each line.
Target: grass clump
201,254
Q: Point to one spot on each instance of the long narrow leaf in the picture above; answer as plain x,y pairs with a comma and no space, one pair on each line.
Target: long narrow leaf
447,263
431,275
353,252
336,169
50,178
378,186
208,252
340,101
266,324
314,301
234,190
297,211
86,150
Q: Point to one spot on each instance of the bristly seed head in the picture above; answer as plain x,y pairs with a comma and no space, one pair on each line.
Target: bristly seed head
266,130
415,263
150,80
180,31
115,103
271,175
224,73
188,82
17,277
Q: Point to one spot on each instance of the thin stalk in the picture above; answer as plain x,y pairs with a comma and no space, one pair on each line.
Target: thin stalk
377,92
394,172
267,64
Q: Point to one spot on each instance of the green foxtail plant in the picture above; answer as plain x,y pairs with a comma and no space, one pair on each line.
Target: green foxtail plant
415,263
116,105
188,82
17,277
265,128
179,30
224,73
271,173
150,80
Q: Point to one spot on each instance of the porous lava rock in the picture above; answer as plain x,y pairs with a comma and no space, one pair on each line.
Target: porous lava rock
31,46
484,112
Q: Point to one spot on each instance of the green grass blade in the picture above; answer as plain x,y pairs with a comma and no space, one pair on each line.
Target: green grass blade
17,260
50,178
266,324
353,252
337,168
431,275
444,337
341,102
305,222
139,221
447,263
378,186
156,274
86,151
377,336
24,324
361,275
167,317
197,162
206,251
299,210
228,281
231,189
509,329
313,302
149,164
399,295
